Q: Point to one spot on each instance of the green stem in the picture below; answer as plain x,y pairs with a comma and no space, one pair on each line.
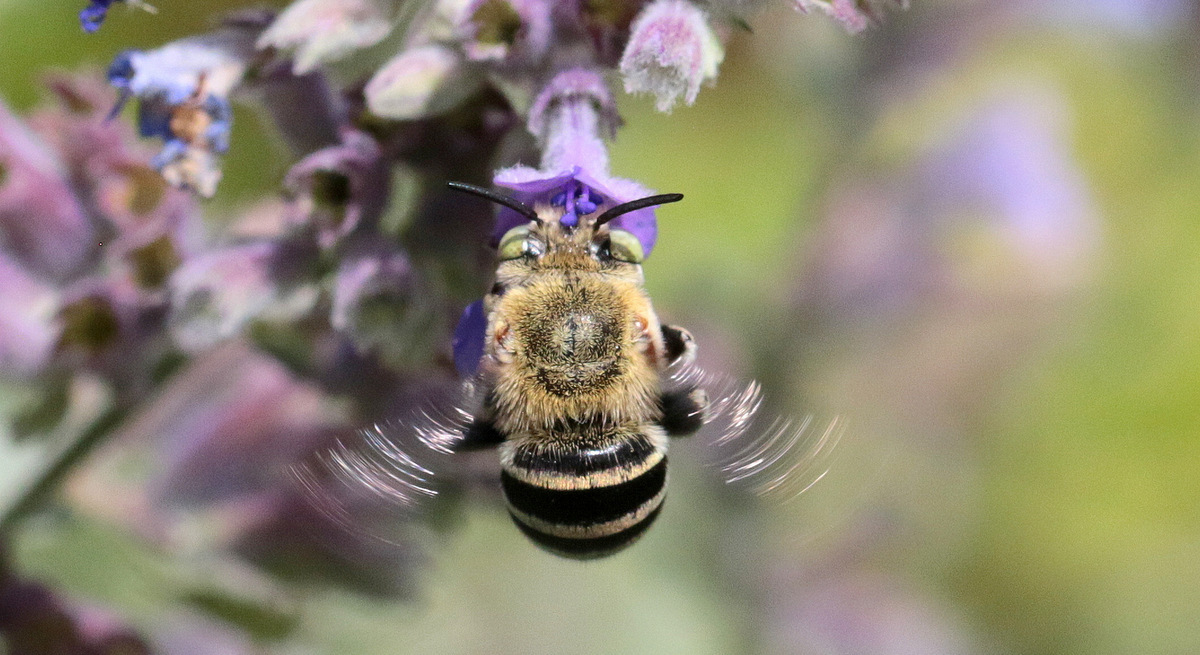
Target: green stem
57,467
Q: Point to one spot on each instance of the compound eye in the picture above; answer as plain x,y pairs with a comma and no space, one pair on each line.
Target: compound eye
515,243
625,247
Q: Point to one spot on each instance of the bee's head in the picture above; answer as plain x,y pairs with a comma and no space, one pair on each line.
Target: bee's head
560,230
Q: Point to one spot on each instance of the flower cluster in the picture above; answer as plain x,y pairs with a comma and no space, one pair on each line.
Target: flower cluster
235,355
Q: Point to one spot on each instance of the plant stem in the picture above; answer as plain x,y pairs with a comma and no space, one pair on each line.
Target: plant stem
57,467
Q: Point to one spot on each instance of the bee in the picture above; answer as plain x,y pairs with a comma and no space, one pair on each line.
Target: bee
580,388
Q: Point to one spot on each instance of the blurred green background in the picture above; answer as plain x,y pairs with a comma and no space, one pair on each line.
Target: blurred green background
1020,474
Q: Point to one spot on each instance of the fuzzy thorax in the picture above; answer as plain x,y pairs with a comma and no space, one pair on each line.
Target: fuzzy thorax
573,345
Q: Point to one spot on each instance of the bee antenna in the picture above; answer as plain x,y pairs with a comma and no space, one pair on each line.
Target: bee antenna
634,205
498,198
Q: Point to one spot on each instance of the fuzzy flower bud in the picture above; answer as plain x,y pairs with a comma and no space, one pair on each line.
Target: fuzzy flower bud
42,224
854,15
320,31
670,53
419,82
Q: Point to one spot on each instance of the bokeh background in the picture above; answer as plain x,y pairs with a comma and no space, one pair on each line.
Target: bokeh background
971,231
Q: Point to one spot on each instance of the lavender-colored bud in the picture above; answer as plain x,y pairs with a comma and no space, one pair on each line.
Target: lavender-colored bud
507,31
42,224
321,31
215,295
422,81
27,331
854,15
340,188
672,50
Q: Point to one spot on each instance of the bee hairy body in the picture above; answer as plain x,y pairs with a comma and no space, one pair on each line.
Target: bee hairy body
572,375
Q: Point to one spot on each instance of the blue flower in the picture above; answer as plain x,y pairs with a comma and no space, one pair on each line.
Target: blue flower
183,89
92,16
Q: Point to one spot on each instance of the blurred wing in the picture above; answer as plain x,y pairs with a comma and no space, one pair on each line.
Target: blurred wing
767,455
385,474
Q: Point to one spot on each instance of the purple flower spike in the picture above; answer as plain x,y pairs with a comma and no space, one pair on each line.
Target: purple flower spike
671,52
570,118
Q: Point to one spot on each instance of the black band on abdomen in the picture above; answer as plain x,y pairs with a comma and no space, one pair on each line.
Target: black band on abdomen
584,507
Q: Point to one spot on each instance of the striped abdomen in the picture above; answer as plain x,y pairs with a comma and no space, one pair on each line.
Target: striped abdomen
585,492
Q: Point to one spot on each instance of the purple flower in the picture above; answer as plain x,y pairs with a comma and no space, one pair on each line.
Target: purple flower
571,117
671,52
339,189
507,31
42,223
216,294
381,305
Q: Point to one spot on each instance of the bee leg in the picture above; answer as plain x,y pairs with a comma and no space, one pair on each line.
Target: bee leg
480,434
680,345
683,411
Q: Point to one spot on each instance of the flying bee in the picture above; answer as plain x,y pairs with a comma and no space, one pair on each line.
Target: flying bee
580,387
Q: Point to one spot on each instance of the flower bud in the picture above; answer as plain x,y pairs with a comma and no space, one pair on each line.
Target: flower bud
854,15
27,333
42,224
670,53
183,89
419,82
320,31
